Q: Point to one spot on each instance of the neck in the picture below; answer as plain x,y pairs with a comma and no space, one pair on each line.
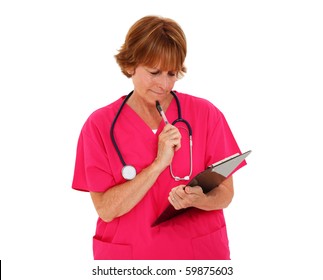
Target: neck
147,110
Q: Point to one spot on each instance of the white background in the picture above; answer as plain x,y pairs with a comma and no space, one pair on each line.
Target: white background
260,62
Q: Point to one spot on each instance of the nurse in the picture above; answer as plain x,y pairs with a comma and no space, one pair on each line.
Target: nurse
131,132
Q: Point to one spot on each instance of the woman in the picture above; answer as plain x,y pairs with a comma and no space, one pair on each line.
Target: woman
131,130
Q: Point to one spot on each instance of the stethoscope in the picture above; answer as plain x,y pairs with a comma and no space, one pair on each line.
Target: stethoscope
128,171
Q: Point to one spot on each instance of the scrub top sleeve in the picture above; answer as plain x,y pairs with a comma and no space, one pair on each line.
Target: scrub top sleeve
92,168
221,142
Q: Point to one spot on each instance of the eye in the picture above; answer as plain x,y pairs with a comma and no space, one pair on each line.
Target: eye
171,74
153,71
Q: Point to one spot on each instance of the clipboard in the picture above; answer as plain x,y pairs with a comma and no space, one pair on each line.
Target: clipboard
208,179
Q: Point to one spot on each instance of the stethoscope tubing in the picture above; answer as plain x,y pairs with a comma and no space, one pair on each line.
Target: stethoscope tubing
114,142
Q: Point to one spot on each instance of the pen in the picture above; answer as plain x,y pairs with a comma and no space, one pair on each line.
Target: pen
161,112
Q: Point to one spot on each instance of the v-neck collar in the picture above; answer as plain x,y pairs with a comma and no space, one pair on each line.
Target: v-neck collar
142,126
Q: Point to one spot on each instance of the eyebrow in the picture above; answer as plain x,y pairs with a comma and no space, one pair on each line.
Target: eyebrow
158,70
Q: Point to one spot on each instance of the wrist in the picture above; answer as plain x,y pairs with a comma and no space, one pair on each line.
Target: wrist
204,203
158,166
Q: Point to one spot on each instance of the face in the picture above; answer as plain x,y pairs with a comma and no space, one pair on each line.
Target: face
152,84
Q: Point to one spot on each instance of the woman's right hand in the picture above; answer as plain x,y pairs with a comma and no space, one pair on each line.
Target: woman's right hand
169,141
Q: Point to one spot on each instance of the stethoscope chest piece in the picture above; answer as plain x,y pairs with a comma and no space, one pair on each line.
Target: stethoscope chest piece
128,172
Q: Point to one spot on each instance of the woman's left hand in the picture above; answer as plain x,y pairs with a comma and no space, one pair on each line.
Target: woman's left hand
219,198
184,196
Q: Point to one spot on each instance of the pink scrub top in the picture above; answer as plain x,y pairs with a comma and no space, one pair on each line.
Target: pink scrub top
196,234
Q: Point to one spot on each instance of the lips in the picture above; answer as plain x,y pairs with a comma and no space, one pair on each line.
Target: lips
158,93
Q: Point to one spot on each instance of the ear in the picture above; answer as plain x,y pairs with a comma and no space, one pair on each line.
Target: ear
131,71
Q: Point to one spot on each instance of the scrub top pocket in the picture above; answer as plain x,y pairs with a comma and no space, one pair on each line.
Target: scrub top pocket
110,251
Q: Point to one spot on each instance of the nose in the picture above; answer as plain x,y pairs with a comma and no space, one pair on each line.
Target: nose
163,82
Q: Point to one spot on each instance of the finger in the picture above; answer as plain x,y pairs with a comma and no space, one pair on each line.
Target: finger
180,192
177,146
193,190
174,137
167,127
177,192
178,197
173,202
171,132
173,143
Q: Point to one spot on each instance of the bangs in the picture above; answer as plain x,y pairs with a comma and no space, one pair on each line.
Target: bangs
163,53
165,58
